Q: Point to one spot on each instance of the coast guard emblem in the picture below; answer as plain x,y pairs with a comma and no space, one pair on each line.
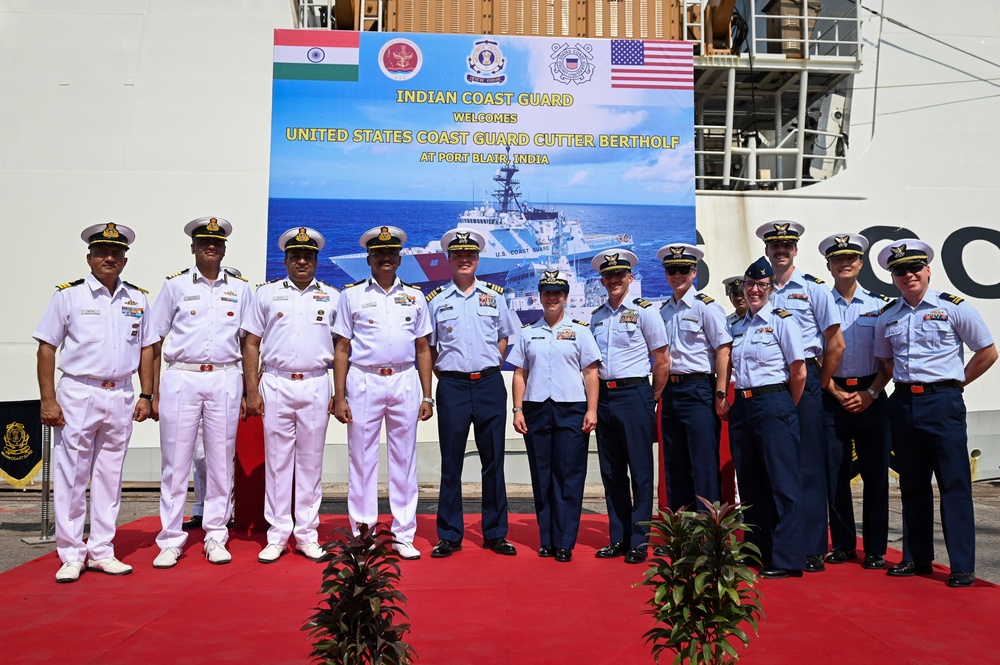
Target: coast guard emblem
486,62
384,235
550,276
897,252
16,442
842,241
213,225
781,228
110,231
302,236
571,64
677,252
611,259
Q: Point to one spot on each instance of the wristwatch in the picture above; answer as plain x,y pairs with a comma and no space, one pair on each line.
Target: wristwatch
146,396
428,400
721,394
517,409
872,393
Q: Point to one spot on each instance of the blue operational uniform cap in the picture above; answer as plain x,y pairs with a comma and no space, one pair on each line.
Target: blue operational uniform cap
383,237
551,281
841,244
759,269
615,259
301,237
109,233
908,250
679,254
781,230
208,227
463,240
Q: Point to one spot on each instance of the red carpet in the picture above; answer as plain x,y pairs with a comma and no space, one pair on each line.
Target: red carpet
476,608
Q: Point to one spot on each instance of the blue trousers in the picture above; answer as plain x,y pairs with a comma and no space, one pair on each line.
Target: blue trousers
691,430
929,436
557,460
812,464
626,419
482,404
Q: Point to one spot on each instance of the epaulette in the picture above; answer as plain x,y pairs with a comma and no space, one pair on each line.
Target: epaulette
69,284
495,287
708,300
954,299
527,325
412,286
231,274
597,309
814,279
327,285
358,283
430,296
881,296
178,274
271,282
137,288
890,304
783,313
582,323
641,303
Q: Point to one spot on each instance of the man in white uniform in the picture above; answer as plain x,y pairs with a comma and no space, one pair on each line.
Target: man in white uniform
99,325
199,313
289,329
383,327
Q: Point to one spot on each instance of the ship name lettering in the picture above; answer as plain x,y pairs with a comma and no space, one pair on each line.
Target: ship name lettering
638,141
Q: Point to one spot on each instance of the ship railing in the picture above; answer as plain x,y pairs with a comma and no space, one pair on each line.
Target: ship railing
776,30
315,13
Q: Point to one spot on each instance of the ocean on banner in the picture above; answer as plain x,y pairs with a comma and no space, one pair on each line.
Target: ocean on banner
342,221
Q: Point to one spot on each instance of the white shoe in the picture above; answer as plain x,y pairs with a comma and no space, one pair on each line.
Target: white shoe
270,554
111,566
70,571
167,558
406,550
311,551
216,552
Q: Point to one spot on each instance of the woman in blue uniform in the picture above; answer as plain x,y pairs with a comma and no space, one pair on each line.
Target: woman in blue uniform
770,373
555,389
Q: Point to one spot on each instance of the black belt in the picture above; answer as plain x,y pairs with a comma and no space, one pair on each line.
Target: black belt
687,378
855,383
921,388
612,384
813,361
470,376
747,393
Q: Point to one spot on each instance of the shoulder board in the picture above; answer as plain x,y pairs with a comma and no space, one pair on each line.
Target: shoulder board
783,313
358,283
951,298
880,296
814,279
412,286
496,287
436,292
705,299
182,272
597,309
582,323
271,282
641,303
232,274
69,284
137,288
327,285
528,325
891,303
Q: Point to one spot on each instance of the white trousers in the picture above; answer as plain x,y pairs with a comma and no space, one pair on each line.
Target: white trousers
89,447
190,401
198,507
396,399
296,415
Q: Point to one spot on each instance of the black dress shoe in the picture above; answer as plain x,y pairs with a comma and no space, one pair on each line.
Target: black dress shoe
779,573
230,523
546,551
635,555
563,555
500,546
874,562
445,548
193,523
814,563
961,579
910,568
841,556
661,552
612,551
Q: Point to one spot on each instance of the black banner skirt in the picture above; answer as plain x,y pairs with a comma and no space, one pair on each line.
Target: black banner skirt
21,452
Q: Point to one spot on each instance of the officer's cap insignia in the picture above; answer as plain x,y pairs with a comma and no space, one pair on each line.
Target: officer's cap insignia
842,241
384,235
551,274
110,231
612,259
463,238
897,252
781,228
213,225
677,252
302,235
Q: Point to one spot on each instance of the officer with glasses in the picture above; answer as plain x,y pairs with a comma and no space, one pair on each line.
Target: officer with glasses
919,339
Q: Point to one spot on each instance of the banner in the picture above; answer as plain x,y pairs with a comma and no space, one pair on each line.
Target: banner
557,150
21,454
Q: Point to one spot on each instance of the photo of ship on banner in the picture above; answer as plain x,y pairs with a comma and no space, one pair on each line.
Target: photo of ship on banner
556,150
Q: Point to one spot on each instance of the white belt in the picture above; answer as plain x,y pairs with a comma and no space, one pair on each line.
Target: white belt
295,376
383,370
206,367
107,384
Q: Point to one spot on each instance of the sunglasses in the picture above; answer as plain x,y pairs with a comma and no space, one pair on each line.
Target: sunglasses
905,269
684,270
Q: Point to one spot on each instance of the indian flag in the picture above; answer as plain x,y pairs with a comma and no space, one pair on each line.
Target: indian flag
316,55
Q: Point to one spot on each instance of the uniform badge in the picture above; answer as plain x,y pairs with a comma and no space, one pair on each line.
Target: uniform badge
611,259
230,296
897,252
487,300
764,329
936,315
629,316
189,298
131,302
302,236
566,333
677,252
366,305
110,231
798,296
842,241
321,296
213,225
130,310
405,299
571,64
781,228
384,234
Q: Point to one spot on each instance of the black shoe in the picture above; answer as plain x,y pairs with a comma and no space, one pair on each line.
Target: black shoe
960,579
445,548
193,523
612,551
563,555
661,552
635,555
814,563
841,556
231,523
910,568
500,546
874,562
779,573
546,551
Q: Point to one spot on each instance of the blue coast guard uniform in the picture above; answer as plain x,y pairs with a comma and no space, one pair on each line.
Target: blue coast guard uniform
865,433
764,430
811,303
696,328
466,329
927,412
626,408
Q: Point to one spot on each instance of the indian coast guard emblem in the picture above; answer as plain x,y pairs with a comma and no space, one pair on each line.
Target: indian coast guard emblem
384,235
487,62
302,236
16,442
213,225
572,64
110,231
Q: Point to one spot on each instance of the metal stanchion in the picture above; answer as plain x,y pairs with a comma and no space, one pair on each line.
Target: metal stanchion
46,537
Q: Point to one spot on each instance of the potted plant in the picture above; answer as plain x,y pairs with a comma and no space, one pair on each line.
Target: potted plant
703,588
354,624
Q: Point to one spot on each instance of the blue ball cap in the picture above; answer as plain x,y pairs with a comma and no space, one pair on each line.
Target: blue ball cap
759,269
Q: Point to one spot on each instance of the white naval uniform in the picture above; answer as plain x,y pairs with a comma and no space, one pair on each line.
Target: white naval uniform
201,388
382,383
101,336
296,350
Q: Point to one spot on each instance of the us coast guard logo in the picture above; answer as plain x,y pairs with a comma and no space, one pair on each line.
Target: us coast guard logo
486,61
842,241
897,252
611,259
550,276
781,228
16,442
677,252
463,238
571,64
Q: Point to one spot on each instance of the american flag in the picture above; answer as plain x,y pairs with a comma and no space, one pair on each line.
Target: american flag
651,64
